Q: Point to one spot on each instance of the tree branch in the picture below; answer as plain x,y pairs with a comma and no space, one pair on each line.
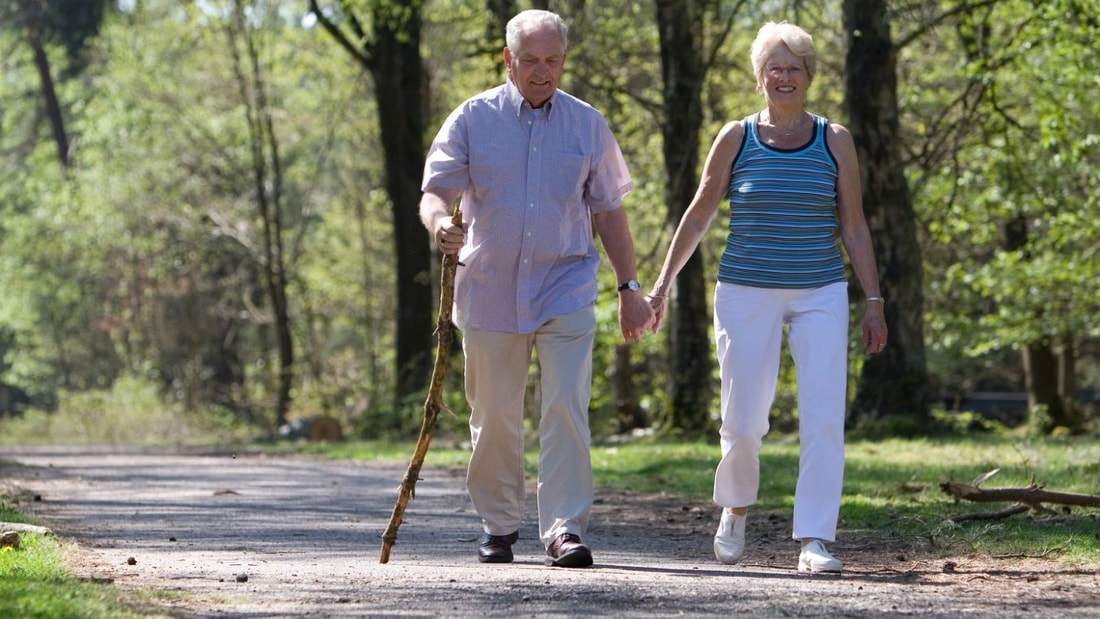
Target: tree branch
964,7
359,54
1018,508
1032,495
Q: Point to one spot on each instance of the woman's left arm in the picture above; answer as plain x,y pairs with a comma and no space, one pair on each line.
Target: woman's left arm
856,236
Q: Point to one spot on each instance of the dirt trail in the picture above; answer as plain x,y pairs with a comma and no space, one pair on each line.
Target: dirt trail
253,536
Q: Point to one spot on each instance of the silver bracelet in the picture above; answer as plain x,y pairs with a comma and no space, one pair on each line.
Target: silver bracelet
879,299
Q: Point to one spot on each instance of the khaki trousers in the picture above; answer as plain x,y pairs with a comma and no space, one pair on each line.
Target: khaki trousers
497,366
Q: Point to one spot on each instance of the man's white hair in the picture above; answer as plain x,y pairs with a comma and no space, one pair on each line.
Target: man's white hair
530,21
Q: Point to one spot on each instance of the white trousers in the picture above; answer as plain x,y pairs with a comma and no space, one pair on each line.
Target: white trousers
496,380
748,328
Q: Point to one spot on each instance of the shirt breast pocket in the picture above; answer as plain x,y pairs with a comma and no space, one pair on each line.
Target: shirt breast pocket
565,184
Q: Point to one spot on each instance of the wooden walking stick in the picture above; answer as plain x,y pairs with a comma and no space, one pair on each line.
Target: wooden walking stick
444,331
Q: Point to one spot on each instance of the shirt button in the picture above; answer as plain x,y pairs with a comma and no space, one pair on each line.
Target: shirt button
531,205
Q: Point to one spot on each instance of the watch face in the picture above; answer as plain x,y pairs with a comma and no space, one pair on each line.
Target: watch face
631,285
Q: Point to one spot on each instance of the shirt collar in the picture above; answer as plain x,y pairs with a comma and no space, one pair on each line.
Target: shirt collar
519,104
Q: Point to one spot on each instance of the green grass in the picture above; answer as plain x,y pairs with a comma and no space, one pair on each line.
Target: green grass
891,489
34,582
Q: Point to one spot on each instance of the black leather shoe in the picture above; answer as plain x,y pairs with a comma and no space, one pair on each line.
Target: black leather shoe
496,548
568,551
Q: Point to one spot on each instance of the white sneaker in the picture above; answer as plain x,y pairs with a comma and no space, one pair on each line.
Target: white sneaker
815,558
729,541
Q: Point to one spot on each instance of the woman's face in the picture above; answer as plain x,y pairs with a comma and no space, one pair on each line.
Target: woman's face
785,78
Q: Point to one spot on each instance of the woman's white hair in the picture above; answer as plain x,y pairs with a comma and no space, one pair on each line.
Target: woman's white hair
794,38
530,21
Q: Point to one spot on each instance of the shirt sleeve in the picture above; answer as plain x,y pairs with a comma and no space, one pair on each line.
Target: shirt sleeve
447,165
609,179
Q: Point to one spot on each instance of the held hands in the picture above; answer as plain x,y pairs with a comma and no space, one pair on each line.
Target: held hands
659,303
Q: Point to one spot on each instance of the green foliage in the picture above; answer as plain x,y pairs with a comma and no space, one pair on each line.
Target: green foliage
142,261
130,412
961,422
1008,179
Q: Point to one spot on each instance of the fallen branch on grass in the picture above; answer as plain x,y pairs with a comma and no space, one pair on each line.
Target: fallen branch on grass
1030,497
25,528
1004,513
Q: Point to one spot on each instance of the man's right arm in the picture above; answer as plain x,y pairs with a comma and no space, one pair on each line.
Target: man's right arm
435,214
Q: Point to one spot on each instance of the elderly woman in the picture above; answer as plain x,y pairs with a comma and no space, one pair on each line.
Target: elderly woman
792,179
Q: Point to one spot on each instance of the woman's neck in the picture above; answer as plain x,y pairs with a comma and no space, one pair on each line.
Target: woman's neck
785,122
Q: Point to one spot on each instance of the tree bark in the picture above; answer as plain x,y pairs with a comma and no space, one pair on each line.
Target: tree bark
1048,378
49,94
1067,386
628,413
268,181
500,11
392,57
1031,495
690,381
1049,388
893,384
400,83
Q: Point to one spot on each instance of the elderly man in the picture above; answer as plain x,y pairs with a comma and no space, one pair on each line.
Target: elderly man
535,168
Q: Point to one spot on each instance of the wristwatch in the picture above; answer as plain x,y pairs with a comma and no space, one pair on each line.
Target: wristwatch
630,285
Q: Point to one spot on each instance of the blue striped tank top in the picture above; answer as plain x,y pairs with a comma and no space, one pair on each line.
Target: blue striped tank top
782,215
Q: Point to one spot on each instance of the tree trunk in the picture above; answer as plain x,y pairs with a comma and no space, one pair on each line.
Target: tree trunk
49,94
1041,381
893,384
1048,375
691,359
500,11
628,413
268,180
1049,383
399,82
393,59
1067,388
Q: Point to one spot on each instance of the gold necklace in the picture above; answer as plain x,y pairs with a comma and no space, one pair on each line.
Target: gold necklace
786,134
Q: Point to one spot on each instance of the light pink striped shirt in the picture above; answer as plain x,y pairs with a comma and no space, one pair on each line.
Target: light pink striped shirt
530,181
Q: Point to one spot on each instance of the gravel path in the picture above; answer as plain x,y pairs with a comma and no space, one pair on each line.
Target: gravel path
253,536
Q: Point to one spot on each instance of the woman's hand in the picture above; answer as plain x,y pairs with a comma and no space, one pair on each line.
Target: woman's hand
875,333
659,303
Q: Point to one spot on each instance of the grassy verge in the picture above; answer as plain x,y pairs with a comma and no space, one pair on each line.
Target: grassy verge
891,489
35,582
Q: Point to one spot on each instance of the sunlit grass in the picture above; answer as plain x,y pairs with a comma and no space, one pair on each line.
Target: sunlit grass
891,489
34,583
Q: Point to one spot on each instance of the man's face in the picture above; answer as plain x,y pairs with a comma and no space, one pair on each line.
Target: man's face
536,67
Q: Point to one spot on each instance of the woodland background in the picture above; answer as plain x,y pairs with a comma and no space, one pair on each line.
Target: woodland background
214,201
